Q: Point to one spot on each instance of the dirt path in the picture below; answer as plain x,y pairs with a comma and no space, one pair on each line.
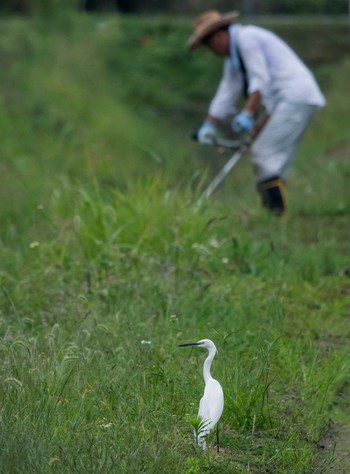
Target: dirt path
335,451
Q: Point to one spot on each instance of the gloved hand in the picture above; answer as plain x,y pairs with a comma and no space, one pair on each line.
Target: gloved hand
243,122
207,133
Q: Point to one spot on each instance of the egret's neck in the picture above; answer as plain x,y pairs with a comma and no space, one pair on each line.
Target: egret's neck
207,365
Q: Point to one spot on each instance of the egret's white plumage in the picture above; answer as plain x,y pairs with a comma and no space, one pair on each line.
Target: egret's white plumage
212,402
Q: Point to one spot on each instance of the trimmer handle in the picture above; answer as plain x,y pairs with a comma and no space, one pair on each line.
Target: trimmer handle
225,143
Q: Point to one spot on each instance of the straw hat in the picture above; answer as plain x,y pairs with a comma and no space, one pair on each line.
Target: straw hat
207,23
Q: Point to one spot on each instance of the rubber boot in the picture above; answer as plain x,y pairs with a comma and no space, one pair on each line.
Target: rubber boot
273,195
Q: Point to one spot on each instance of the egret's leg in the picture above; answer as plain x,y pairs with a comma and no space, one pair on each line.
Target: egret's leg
217,438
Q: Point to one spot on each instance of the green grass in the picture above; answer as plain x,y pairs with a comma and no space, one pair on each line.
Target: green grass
107,264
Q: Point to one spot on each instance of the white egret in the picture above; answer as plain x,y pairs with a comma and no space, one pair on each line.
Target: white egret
212,402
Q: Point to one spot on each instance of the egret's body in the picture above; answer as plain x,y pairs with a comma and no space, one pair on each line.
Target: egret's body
212,402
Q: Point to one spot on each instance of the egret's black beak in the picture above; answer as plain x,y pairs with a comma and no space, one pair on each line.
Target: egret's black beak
190,344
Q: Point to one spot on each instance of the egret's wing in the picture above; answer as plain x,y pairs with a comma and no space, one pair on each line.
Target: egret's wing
211,404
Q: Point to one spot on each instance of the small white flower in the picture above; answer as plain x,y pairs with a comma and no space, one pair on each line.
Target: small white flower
107,425
143,342
34,244
225,260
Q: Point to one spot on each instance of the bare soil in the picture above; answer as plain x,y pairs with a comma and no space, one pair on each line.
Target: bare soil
335,450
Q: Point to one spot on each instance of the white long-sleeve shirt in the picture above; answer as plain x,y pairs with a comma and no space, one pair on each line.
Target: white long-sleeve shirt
272,68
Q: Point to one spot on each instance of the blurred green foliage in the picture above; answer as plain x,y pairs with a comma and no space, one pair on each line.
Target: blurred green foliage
248,7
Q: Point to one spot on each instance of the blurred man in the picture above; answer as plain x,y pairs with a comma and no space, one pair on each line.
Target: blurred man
259,65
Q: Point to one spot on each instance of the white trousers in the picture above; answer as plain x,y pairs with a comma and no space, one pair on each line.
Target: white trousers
276,145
